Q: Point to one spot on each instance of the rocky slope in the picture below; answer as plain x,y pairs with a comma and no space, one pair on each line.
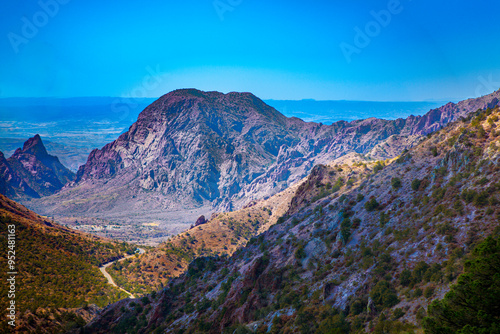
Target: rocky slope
367,252
221,235
200,152
58,275
31,172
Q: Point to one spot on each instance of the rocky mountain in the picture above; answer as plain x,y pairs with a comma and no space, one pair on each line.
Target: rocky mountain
31,172
193,152
361,248
59,284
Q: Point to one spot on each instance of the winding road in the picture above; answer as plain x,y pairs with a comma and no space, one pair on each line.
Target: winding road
108,276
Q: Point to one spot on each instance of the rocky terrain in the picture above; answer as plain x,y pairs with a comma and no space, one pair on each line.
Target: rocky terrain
31,172
192,153
221,235
361,247
59,285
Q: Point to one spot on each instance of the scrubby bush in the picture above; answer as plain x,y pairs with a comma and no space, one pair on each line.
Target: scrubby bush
405,277
396,183
345,230
372,204
300,252
384,295
378,166
434,151
429,292
415,184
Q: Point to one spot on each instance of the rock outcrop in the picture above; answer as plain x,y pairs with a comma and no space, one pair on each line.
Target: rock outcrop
31,172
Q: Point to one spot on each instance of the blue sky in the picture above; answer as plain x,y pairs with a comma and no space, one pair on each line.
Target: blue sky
416,50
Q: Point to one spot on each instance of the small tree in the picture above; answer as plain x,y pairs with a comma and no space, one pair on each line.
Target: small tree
472,304
345,230
384,295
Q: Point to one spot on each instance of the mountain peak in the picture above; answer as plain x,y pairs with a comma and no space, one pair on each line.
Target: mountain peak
32,172
194,105
35,146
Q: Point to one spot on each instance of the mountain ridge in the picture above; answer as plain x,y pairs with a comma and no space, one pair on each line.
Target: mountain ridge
216,152
366,256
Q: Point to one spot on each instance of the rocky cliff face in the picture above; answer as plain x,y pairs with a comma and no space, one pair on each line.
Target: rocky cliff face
192,149
32,172
362,248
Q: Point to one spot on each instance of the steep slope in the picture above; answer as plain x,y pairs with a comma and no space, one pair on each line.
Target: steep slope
226,232
222,235
57,271
32,172
200,152
368,257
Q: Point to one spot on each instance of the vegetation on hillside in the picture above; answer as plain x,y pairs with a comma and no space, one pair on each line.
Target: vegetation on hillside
368,258
222,235
58,269
472,305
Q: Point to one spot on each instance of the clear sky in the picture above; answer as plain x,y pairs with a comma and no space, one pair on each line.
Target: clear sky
408,50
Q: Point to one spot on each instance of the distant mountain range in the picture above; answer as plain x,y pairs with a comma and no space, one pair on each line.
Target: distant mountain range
208,151
73,127
328,112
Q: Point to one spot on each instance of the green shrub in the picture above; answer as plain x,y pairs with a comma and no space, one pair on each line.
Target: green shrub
415,184
398,313
396,183
379,165
405,277
384,219
481,199
429,292
300,252
333,325
468,195
355,223
434,151
372,204
345,230
384,295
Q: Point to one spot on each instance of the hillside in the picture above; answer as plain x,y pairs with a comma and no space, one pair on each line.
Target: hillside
226,232
58,275
368,257
32,172
221,235
192,153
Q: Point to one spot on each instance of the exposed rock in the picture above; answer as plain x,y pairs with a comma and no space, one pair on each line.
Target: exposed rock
32,172
192,149
426,226
200,221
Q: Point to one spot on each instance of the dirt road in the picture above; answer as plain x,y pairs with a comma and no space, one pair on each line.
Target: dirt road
108,276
